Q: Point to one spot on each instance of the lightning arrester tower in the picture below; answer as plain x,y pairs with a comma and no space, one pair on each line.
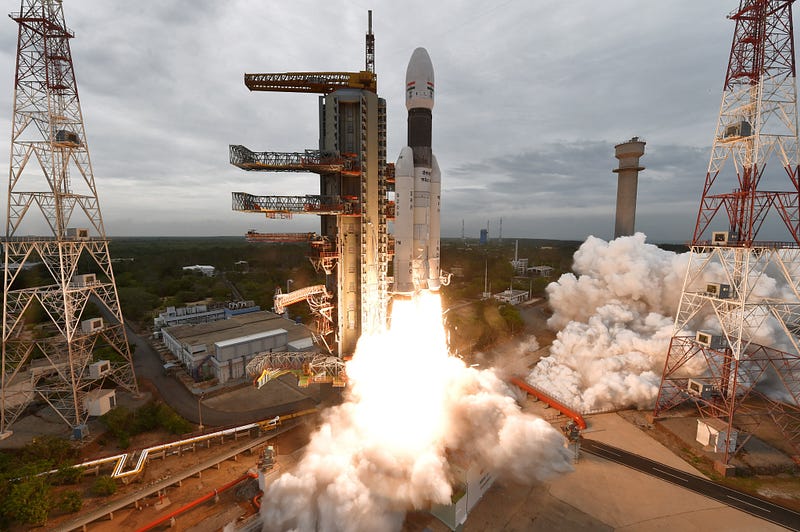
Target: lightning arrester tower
56,323
729,337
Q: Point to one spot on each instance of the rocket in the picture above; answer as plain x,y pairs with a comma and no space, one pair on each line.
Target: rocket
418,186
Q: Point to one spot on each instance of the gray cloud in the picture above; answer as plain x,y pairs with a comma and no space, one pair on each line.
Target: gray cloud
531,98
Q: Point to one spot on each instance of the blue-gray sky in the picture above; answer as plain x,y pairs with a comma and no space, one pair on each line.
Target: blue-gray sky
530,99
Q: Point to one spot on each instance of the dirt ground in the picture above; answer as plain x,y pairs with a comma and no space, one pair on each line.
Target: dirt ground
231,505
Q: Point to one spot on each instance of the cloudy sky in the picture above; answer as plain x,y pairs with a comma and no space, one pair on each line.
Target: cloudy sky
530,99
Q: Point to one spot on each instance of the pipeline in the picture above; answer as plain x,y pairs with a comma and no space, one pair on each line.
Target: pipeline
561,407
257,500
196,502
119,460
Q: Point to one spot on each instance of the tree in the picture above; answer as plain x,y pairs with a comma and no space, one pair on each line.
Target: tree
28,501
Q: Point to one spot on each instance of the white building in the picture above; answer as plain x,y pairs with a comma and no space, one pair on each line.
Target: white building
191,314
712,433
222,349
471,482
206,270
515,297
540,271
202,313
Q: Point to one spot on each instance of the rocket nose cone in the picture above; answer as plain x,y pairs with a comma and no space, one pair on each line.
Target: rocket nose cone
419,66
419,80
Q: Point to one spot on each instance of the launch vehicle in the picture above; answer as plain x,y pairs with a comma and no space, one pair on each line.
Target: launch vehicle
418,187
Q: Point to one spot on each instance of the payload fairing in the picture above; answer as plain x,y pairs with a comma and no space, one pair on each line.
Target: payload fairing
418,187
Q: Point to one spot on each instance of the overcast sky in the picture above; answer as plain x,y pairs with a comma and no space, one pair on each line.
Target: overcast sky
531,98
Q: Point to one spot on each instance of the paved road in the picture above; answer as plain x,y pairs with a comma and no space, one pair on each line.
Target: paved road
730,497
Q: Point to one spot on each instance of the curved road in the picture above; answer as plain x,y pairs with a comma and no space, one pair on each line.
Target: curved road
730,497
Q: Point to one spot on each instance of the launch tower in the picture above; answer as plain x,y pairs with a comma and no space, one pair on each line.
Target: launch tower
353,245
55,323
735,350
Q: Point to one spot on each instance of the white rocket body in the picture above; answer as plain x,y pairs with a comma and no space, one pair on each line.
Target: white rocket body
418,187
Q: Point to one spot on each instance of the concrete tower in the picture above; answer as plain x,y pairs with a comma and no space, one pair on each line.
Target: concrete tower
628,154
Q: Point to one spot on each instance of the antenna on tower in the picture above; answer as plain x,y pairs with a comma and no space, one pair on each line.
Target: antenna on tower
463,239
500,232
370,63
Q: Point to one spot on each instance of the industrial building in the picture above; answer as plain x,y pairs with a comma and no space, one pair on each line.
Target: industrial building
512,296
222,349
202,313
352,247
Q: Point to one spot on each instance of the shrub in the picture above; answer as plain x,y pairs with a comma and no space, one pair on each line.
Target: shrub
104,486
67,475
70,501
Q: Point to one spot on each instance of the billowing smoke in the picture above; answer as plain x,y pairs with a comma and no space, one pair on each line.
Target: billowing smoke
411,413
615,321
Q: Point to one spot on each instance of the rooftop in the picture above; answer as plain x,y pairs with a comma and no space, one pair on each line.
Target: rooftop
253,323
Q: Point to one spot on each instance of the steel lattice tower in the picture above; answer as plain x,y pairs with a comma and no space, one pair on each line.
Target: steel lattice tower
51,190
735,350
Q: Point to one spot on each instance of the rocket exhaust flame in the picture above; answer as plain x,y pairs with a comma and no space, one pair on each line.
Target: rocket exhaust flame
409,407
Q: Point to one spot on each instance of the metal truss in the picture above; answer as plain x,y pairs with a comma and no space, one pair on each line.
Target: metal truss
757,120
724,369
311,82
307,161
319,301
720,374
51,180
289,205
309,368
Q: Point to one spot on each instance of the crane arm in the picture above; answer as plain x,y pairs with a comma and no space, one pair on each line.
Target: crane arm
311,82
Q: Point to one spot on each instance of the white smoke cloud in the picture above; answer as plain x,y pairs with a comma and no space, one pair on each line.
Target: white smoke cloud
615,321
616,317
387,448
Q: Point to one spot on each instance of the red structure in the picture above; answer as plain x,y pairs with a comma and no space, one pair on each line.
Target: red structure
735,349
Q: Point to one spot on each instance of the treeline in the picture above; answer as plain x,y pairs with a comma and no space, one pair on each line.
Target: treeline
155,278
489,266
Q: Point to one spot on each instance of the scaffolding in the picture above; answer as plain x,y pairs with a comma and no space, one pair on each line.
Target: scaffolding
354,247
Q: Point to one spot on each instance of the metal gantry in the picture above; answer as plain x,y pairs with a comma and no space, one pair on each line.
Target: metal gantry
354,249
735,351
310,368
55,322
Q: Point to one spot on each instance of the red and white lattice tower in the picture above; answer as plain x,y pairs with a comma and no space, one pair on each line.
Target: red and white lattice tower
735,350
64,340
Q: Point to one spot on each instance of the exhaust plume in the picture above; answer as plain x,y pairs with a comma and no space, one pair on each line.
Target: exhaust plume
409,409
615,320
